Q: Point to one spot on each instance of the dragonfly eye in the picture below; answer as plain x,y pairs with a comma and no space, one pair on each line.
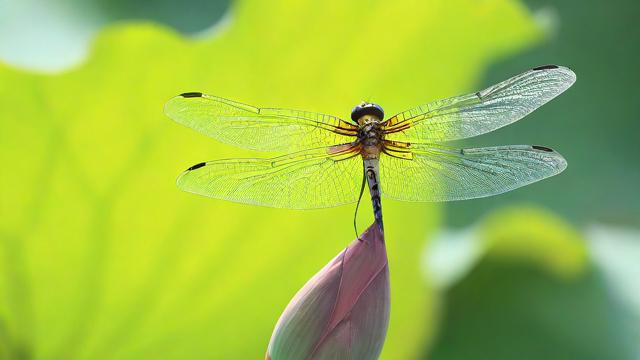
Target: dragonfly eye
367,109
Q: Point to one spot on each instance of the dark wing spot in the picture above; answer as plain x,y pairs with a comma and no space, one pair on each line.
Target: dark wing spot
537,147
546,67
191,94
197,166
478,95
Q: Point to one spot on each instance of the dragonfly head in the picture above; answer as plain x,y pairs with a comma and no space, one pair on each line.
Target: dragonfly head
366,108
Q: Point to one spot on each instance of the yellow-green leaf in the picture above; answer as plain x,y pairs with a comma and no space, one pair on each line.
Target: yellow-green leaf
102,257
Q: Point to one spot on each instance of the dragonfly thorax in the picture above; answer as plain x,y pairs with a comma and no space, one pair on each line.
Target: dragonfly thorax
370,136
370,133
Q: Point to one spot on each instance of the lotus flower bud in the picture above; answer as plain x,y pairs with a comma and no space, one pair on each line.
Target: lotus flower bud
343,311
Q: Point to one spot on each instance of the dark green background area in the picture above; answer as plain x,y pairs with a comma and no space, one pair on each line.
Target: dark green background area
184,16
187,17
508,310
514,311
595,124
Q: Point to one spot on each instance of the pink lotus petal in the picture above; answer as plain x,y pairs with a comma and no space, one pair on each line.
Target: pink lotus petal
343,311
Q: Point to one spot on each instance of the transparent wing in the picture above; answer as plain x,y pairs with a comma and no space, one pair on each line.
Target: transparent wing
435,173
316,178
481,112
259,129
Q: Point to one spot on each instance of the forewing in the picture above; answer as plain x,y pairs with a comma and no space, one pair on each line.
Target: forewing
259,129
434,173
481,112
317,178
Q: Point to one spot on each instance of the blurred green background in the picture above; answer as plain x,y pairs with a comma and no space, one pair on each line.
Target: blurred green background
101,257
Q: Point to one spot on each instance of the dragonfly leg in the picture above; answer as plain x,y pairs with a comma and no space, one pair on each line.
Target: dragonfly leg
355,215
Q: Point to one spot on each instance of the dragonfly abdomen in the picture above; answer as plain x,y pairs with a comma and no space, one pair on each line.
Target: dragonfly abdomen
372,172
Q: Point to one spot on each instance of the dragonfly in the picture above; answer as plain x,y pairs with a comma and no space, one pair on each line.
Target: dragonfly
329,159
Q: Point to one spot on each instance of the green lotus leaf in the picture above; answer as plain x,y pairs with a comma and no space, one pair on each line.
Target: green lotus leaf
102,257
